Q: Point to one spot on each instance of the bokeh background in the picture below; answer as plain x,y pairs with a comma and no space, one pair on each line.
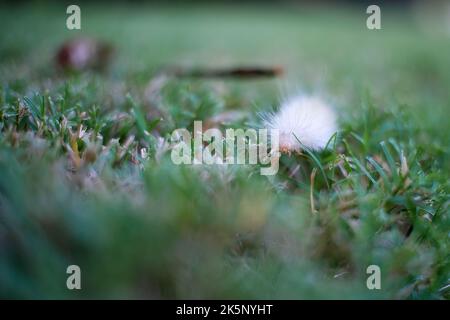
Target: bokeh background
76,188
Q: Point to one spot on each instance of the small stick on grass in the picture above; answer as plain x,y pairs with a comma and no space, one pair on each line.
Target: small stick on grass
239,73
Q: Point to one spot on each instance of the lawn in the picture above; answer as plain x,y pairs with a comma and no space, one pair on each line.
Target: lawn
86,176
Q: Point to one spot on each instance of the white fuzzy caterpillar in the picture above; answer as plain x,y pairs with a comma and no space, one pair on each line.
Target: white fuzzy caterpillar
304,118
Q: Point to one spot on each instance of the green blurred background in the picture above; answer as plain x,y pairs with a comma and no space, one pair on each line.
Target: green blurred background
161,231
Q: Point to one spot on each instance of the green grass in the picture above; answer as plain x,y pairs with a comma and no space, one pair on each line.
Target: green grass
75,187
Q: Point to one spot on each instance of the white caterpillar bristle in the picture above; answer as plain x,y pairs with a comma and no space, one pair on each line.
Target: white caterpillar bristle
303,121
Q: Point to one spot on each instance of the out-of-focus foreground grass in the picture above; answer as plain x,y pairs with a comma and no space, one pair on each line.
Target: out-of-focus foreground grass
86,177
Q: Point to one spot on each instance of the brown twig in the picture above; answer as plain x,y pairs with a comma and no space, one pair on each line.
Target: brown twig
240,72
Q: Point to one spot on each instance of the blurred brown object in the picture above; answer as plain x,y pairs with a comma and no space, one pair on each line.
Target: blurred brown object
84,54
239,72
